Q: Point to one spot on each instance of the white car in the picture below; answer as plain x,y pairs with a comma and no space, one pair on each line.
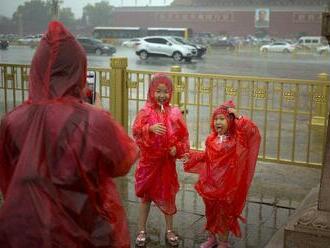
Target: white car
131,43
323,49
30,39
283,47
160,46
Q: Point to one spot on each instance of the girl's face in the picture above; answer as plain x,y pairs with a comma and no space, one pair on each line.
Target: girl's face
220,124
161,94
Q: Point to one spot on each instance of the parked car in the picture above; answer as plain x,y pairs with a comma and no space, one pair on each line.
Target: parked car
30,39
92,45
284,47
201,49
311,42
4,44
223,43
131,43
323,49
161,46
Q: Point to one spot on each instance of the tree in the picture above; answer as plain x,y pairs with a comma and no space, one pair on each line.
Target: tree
32,16
67,17
6,25
98,14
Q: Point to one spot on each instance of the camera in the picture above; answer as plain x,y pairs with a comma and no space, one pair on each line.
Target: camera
91,85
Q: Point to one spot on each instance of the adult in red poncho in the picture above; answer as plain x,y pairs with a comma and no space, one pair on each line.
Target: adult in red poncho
225,169
57,157
162,136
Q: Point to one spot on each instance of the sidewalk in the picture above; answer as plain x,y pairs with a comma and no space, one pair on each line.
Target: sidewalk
275,193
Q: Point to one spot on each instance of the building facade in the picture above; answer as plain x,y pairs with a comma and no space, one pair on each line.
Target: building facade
232,17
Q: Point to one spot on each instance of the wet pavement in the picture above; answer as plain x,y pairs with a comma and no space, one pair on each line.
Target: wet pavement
275,193
277,189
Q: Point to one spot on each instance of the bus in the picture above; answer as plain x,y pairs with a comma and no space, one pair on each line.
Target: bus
116,35
181,32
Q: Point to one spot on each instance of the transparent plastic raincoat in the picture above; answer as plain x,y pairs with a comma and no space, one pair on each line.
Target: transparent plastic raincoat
226,169
58,155
156,177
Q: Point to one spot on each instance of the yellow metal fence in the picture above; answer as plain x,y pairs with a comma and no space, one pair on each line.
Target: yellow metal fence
291,114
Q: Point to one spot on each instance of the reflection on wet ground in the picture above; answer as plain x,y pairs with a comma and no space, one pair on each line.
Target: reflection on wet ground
276,192
277,189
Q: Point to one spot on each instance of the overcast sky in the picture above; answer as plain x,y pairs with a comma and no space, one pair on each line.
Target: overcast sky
8,7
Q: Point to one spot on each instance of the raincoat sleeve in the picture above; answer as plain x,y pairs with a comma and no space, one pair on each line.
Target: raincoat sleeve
247,150
5,168
249,138
181,139
141,132
195,163
117,151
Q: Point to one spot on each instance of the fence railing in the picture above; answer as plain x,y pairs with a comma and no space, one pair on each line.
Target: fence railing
291,114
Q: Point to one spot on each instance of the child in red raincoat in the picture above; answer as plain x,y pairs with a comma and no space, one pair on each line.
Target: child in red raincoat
225,171
162,136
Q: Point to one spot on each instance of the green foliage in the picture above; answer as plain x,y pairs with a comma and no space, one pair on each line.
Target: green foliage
98,14
33,16
67,17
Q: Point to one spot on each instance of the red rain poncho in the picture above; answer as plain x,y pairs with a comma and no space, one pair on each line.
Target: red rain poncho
225,171
156,177
57,157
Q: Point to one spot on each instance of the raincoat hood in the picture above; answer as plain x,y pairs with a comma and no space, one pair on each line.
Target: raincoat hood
223,109
157,79
58,67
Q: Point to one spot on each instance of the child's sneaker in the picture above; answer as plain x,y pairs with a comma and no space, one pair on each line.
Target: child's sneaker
210,242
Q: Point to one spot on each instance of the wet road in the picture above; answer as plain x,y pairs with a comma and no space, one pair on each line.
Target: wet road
250,63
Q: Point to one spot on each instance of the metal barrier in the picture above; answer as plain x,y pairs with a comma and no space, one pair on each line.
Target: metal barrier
13,85
289,113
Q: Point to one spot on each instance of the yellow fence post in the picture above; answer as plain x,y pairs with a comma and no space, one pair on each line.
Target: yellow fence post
119,90
177,84
319,119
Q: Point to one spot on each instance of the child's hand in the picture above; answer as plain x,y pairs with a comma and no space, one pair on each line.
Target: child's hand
173,151
158,129
233,112
185,158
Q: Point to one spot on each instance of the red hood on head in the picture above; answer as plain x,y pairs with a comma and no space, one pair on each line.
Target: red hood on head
223,109
58,67
159,78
